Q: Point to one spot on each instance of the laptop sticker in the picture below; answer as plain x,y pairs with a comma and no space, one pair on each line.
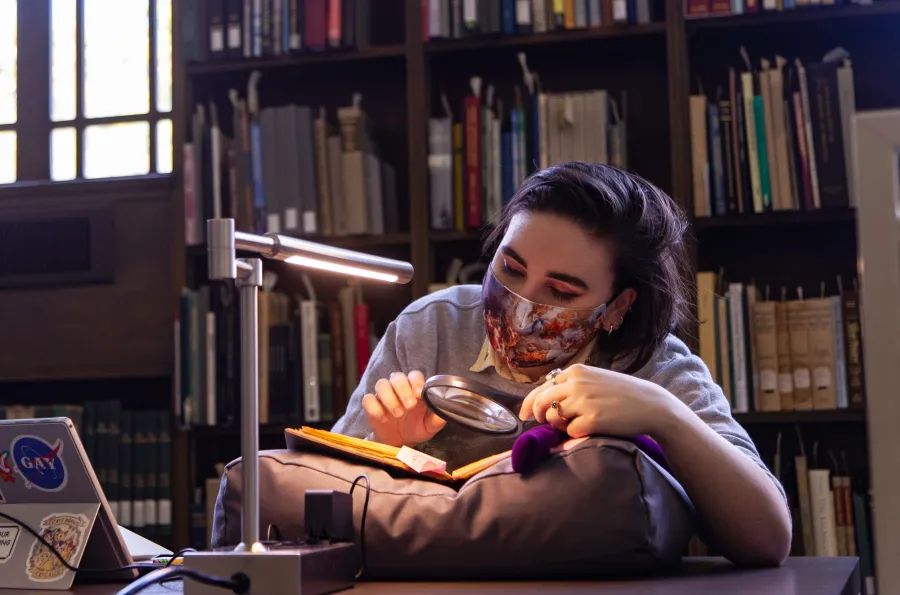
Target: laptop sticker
39,463
9,535
67,534
6,469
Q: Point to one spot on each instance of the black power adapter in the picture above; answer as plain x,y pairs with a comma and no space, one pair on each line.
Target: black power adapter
329,516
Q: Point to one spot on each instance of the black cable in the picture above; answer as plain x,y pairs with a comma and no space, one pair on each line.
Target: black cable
273,528
142,565
179,554
362,524
238,583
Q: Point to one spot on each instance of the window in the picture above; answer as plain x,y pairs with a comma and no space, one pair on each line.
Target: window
8,89
103,110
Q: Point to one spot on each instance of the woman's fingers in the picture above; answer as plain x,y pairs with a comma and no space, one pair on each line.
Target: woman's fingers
403,390
433,423
555,420
385,392
528,404
373,408
542,402
417,382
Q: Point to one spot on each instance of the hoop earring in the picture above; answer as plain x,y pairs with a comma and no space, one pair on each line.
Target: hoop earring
614,327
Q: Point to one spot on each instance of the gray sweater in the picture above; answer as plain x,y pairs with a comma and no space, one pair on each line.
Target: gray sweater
442,333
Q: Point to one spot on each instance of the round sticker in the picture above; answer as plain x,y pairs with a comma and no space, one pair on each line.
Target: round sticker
39,463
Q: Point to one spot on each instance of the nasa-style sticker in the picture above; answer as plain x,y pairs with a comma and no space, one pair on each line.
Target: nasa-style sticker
40,464
9,534
67,534
6,468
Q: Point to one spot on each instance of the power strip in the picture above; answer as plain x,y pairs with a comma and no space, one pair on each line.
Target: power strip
284,569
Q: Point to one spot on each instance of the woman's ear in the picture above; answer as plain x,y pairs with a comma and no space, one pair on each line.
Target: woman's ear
617,309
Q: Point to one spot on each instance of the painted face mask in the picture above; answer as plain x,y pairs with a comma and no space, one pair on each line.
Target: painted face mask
527,334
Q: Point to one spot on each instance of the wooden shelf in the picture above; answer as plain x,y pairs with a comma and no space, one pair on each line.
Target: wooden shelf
783,417
349,242
441,237
446,46
799,15
778,218
269,63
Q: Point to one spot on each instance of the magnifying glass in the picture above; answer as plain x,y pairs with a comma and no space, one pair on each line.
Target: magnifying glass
472,404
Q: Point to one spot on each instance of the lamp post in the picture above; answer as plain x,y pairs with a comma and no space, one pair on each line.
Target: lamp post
223,244
288,569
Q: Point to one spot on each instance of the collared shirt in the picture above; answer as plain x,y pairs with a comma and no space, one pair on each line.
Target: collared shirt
488,357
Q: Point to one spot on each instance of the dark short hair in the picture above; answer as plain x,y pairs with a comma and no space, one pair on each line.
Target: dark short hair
645,229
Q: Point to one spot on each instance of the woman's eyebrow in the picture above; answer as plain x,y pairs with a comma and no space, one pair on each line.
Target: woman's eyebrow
513,254
565,278
576,281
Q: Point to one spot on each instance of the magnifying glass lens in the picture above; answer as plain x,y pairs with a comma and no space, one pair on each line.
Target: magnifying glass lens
471,409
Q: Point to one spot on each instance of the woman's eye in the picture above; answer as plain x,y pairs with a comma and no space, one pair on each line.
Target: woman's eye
510,271
562,296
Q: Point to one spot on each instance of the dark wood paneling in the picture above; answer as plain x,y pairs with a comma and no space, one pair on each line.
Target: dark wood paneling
788,256
118,330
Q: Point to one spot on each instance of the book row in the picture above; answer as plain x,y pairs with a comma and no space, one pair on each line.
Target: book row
312,354
787,355
831,516
716,8
240,29
482,152
455,19
131,453
287,169
774,138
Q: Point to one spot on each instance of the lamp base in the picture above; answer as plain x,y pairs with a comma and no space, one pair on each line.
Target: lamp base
287,569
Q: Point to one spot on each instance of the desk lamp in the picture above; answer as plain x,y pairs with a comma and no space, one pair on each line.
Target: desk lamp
302,569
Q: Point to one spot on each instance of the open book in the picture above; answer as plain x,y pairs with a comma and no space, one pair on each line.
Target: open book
391,457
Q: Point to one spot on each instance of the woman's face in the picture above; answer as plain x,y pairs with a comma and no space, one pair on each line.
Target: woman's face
550,260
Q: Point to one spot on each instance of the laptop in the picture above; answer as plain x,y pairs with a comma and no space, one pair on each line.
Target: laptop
47,482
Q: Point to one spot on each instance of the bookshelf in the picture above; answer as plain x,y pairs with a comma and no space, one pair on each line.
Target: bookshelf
403,76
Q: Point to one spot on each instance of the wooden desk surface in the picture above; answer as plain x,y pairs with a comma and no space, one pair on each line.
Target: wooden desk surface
798,576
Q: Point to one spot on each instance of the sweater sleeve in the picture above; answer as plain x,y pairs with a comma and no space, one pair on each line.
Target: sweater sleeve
384,360
687,377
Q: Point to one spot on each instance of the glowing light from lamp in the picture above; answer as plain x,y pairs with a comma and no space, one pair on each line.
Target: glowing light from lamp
340,268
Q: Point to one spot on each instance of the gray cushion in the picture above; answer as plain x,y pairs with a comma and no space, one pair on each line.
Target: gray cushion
603,507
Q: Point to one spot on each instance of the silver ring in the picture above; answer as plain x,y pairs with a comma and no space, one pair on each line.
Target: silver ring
552,376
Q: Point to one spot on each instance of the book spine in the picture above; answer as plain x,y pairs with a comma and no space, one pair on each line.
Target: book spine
164,475
126,491
856,381
473,163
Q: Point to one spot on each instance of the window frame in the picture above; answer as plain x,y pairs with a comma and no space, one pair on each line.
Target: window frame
34,124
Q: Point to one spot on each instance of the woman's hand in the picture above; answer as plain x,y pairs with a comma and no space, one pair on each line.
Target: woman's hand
396,412
598,401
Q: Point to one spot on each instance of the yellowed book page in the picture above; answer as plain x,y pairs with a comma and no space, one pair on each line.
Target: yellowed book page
386,454
467,471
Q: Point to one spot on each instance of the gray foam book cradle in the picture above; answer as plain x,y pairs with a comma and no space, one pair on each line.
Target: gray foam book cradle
600,508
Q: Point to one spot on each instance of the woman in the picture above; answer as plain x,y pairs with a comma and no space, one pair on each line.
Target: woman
586,278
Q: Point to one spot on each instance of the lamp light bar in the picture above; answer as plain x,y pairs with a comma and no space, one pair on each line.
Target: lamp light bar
340,268
324,257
